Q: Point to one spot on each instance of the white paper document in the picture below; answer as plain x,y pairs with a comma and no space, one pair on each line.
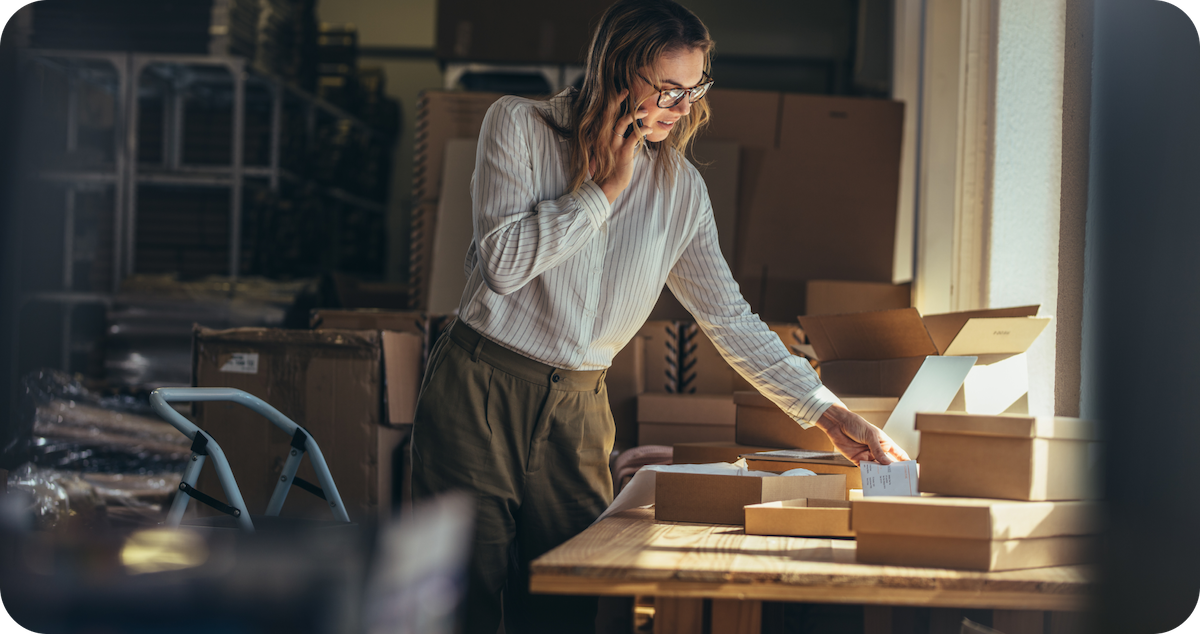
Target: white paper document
898,478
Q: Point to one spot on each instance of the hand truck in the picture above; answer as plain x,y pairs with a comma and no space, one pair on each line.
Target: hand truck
204,446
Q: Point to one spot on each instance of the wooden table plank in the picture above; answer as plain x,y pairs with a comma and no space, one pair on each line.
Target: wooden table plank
630,553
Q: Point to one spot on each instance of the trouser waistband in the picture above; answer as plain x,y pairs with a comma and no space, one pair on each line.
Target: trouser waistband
483,349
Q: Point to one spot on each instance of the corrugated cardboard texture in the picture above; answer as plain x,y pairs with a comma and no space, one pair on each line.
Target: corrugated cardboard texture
889,377
709,452
719,499
944,327
975,518
625,380
1008,468
800,518
832,297
661,341
1013,426
832,174
974,554
441,116
702,369
327,381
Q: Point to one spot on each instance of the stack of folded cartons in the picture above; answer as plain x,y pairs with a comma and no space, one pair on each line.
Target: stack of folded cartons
1011,492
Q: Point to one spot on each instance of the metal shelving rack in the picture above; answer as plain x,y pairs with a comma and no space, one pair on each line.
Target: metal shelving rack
127,76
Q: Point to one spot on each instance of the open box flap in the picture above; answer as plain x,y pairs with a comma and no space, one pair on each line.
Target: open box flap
945,327
869,336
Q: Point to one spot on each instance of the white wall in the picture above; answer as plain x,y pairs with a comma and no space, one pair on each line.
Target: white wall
1023,262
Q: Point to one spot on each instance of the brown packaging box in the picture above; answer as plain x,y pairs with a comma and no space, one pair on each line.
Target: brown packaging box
761,422
836,465
1009,456
800,518
328,381
709,452
486,31
973,534
879,352
833,297
666,419
720,499
625,380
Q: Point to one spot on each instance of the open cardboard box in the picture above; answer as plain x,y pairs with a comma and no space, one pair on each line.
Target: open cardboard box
666,419
834,297
721,499
973,534
1009,456
761,422
800,518
759,461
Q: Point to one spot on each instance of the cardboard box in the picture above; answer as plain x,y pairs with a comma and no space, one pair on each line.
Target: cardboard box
660,340
832,297
454,230
800,518
880,353
999,382
761,422
328,381
666,419
625,380
974,534
721,499
812,166
838,465
410,321
1009,456
709,452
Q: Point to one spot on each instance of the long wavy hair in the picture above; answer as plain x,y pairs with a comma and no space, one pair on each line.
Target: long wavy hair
631,37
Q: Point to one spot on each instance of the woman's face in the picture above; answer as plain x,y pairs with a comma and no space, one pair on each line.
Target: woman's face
677,69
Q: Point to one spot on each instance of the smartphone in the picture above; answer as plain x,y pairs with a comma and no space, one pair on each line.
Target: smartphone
629,128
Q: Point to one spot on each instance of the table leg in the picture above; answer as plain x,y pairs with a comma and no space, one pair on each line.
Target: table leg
1013,621
730,616
678,616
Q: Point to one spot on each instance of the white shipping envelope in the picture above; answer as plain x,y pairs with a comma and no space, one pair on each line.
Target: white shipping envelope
931,390
898,478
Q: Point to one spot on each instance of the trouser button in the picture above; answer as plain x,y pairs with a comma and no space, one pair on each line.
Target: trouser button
554,378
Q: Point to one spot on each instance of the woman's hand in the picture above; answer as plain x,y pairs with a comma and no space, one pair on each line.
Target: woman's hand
857,439
624,149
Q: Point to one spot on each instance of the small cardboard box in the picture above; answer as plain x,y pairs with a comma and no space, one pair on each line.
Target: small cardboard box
666,419
721,499
816,465
328,381
761,422
1009,456
710,452
832,297
973,534
800,518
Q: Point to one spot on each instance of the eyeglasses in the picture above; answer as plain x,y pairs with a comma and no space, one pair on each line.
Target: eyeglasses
671,97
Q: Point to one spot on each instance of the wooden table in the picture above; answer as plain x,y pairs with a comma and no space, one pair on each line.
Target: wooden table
631,554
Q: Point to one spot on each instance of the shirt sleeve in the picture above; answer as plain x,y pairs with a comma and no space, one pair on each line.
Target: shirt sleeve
702,282
517,237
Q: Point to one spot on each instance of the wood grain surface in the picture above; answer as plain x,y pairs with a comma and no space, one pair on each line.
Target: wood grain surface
629,553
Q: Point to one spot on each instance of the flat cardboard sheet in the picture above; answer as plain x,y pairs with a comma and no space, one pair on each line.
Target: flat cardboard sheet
453,232
800,518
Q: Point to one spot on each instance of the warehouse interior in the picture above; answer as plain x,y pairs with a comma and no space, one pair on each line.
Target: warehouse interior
275,196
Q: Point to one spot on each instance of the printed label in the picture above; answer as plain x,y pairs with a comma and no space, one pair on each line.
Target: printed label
898,478
242,363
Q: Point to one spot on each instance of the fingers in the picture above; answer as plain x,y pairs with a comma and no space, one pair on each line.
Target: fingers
892,448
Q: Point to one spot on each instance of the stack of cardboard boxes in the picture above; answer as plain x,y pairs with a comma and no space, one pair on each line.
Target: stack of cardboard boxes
1022,486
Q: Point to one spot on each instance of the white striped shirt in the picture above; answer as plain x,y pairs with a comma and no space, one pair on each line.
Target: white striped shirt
568,280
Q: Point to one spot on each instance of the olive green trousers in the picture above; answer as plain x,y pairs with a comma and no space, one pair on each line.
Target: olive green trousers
531,443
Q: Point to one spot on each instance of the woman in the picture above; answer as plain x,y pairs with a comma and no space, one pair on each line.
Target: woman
583,208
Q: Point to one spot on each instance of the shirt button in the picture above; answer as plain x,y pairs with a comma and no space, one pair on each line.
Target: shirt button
554,378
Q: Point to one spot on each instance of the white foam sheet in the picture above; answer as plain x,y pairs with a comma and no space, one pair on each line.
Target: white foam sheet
639,493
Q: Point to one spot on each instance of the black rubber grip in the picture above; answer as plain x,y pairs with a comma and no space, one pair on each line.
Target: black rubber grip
209,500
310,487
